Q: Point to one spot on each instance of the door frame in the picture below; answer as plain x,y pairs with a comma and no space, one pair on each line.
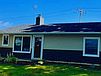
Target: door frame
33,46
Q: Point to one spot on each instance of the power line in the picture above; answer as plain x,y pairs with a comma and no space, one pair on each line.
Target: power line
61,12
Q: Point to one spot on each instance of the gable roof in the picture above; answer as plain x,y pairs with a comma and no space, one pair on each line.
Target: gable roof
16,29
56,28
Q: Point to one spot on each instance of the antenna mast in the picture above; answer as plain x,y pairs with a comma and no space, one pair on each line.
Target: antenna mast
81,11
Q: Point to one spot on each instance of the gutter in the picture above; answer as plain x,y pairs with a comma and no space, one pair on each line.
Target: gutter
41,33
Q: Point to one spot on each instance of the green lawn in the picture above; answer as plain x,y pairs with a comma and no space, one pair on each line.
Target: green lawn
46,70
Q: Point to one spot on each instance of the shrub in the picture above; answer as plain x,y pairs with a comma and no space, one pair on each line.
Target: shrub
11,59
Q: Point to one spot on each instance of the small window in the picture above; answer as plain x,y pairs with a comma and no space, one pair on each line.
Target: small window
91,47
5,40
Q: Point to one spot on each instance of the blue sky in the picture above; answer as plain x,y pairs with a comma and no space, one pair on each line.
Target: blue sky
18,12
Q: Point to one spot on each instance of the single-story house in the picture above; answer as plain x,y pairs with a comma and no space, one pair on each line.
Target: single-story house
72,42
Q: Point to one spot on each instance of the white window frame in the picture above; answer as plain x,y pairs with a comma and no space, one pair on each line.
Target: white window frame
3,40
98,51
20,51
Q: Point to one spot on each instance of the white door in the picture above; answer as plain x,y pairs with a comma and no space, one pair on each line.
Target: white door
37,48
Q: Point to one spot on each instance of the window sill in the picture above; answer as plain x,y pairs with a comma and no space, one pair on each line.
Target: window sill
4,44
21,52
88,55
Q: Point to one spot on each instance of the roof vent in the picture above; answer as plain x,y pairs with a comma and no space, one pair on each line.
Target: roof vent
39,20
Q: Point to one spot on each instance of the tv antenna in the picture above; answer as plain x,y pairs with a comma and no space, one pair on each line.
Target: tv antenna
81,12
35,8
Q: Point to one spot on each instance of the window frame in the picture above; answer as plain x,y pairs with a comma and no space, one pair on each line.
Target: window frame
21,51
98,47
4,39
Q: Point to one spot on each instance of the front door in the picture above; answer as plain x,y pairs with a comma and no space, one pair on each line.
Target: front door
37,47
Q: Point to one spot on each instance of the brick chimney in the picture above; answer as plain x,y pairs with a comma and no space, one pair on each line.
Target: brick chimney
39,20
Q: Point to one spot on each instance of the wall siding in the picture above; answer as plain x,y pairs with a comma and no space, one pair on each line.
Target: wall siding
23,55
69,56
0,40
63,42
66,42
5,51
58,48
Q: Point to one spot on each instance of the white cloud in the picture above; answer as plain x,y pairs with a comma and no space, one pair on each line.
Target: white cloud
4,25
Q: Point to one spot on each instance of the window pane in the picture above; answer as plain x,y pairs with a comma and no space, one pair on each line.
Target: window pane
91,46
17,43
5,40
26,44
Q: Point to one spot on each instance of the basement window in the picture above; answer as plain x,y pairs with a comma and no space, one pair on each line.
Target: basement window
91,46
5,40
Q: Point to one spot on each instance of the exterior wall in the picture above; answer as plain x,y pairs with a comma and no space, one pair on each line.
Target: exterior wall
58,48
69,56
67,48
63,42
10,41
23,55
6,50
66,42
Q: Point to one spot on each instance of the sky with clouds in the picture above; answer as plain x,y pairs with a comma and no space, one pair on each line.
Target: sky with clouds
18,12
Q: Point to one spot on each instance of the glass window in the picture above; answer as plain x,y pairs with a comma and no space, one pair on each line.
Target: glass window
17,43
91,47
26,44
5,39
22,44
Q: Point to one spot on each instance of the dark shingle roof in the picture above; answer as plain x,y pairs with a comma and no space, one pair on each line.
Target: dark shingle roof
56,28
67,27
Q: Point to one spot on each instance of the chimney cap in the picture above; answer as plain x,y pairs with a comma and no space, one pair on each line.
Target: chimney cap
39,20
39,15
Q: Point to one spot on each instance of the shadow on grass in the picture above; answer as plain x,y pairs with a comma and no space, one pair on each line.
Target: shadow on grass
45,70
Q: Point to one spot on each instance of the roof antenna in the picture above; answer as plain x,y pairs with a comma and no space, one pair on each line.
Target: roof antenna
81,12
35,9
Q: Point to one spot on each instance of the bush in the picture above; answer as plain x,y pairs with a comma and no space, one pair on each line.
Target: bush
11,59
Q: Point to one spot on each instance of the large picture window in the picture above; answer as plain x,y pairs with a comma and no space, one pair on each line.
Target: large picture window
22,44
91,46
5,40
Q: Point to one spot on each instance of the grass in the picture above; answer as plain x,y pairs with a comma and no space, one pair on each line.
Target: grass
46,70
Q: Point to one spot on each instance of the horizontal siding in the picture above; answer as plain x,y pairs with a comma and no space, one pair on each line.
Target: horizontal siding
66,42
63,42
5,51
69,56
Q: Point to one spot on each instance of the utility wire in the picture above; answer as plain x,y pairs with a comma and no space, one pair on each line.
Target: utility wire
57,13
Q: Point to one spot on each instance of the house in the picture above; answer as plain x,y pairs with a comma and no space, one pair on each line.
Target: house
72,42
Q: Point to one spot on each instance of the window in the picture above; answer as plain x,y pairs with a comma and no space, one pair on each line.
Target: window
5,40
22,44
26,44
17,43
91,46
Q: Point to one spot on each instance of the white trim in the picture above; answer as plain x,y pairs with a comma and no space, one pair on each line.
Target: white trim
33,46
3,39
54,32
90,55
20,51
33,40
